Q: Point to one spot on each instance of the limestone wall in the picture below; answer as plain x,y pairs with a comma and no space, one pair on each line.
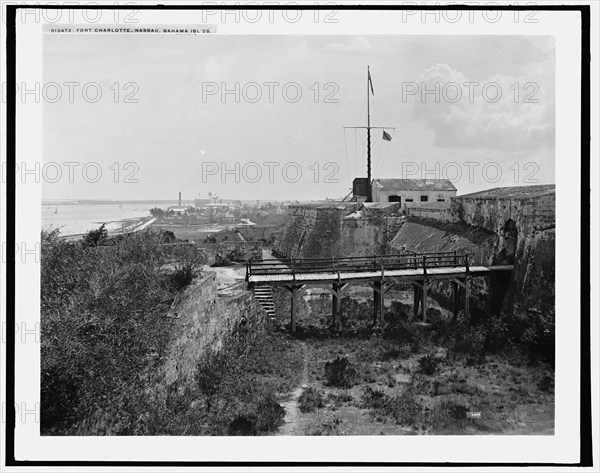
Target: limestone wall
441,213
533,210
530,213
324,232
428,235
203,319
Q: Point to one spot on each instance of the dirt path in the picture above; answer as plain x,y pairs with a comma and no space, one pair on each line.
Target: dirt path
292,411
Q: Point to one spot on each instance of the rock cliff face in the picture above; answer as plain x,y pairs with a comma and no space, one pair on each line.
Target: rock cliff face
421,235
204,319
325,231
524,220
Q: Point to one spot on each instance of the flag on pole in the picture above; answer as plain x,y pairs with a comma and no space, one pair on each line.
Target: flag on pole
370,82
387,136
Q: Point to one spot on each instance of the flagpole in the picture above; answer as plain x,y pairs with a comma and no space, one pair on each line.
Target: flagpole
369,128
370,191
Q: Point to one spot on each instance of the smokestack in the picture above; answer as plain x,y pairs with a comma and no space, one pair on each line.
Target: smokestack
180,199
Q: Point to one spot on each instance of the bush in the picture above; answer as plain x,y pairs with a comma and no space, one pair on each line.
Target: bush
468,340
269,415
181,278
340,373
403,408
265,416
103,329
310,399
96,237
428,364
244,424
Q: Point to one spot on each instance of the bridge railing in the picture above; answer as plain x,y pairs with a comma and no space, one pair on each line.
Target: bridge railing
293,266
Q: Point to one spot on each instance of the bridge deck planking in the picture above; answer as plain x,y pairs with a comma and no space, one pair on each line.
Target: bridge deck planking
409,274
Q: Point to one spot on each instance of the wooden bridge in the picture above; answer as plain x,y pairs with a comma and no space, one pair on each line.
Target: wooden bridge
379,272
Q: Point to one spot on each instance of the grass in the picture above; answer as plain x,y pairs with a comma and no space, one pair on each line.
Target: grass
310,399
418,379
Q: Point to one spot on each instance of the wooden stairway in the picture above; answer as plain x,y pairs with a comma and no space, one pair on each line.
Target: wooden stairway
264,296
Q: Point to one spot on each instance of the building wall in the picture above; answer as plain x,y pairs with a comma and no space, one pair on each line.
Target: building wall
382,195
441,213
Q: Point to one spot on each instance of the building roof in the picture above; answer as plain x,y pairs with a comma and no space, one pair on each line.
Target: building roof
415,184
515,192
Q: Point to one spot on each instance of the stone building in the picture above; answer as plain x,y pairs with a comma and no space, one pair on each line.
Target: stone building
412,191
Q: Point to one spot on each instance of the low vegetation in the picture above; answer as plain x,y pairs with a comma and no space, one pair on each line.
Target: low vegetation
406,377
236,390
104,328
310,399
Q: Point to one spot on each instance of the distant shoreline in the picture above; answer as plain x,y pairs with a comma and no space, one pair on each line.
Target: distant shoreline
111,202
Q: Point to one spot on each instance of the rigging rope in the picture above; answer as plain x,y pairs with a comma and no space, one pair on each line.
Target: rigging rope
346,147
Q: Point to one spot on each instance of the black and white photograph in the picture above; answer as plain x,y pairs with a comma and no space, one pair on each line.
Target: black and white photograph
241,230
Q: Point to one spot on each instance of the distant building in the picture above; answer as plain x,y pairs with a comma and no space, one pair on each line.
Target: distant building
179,210
202,202
412,191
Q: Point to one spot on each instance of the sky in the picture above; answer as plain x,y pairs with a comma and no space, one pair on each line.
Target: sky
170,129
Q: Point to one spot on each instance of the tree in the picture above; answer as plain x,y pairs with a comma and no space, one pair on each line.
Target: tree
96,237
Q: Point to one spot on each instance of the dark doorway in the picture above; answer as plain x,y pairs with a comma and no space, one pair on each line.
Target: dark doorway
508,249
500,282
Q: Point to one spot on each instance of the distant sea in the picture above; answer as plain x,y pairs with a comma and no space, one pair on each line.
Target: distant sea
79,216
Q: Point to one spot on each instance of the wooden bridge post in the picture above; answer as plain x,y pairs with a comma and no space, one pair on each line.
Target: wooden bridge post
467,296
416,299
467,289
381,303
335,305
376,300
456,299
294,305
424,301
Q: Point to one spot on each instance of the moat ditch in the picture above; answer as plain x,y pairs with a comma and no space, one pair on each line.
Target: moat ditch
408,378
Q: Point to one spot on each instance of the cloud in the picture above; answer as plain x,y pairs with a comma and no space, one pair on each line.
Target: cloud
502,112
355,44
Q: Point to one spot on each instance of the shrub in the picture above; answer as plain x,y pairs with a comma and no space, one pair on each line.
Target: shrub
546,384
269,414
403,408
468,340
310,399
428,364
244,424
95,237
447,414
181,278
265,416
104,330
340,373
374,399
